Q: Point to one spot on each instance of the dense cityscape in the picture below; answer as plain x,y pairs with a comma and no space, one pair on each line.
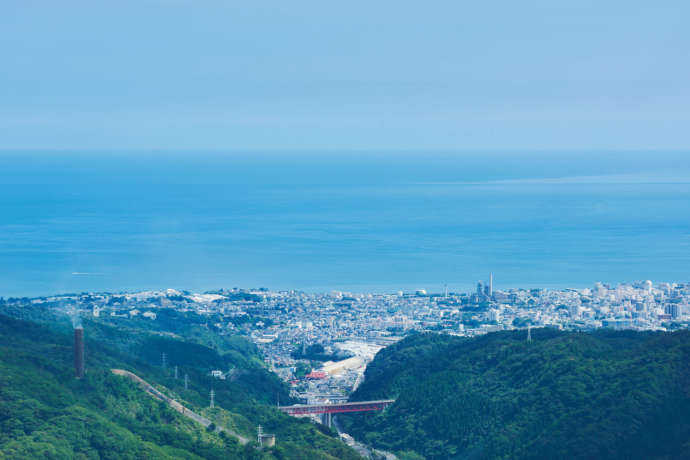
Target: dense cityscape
321,343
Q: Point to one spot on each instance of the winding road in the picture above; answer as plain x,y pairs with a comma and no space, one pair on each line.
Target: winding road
176,405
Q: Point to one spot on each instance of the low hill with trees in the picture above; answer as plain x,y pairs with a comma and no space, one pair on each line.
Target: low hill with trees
46,413
605,394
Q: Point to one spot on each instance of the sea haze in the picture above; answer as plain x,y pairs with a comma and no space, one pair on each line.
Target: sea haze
339,221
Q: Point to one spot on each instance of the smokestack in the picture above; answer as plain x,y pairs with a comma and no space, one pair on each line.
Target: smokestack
79,352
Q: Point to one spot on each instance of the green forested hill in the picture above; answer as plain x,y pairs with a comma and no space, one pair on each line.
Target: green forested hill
46,413
564,395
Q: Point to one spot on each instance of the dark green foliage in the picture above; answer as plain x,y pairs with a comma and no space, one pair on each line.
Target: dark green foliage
316,352
46,413
197,354
605,394
187,354
302,369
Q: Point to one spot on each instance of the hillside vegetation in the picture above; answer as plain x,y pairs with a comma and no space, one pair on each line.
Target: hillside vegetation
564,395
46,413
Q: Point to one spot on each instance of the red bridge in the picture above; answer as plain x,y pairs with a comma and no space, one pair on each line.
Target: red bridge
358,406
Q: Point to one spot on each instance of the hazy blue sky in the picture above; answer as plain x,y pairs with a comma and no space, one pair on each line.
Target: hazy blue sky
177,74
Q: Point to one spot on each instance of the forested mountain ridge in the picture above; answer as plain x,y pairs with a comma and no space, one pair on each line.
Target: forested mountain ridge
184,337
46,413
564,395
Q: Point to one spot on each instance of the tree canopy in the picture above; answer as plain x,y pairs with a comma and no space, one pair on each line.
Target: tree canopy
604,394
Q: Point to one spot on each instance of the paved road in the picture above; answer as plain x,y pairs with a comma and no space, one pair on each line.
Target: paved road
176,405
361,448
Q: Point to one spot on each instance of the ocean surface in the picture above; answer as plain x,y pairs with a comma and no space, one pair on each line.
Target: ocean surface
361,222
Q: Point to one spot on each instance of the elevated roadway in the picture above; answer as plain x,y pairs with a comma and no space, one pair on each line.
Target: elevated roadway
336,408
327,410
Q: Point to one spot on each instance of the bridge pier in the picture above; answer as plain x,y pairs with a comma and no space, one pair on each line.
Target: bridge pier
327,419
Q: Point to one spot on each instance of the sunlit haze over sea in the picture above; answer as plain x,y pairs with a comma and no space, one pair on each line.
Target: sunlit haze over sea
377,222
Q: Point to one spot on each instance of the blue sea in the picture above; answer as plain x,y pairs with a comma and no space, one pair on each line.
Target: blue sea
323,221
